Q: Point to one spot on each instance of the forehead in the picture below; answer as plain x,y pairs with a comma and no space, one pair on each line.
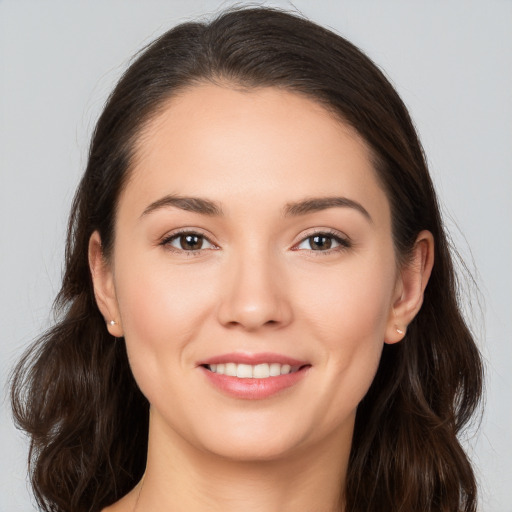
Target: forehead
244,145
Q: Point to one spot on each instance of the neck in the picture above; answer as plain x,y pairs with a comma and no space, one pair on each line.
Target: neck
179,477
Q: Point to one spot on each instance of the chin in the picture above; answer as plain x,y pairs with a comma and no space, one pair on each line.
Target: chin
253,441
254,450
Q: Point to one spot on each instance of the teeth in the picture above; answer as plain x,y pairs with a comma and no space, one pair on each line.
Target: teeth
230,369
244,371
247,371
275,369
261,371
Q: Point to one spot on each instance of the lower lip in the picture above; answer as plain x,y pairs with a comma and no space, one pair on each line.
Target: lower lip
254,389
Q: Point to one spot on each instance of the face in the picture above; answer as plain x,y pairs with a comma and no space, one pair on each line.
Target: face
253,273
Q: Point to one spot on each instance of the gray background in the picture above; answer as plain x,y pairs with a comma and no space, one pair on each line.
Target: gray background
451,62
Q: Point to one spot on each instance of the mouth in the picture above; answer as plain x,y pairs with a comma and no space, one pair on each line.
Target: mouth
253,376
249,371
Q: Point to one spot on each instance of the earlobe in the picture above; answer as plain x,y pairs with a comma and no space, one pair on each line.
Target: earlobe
104,289
410,288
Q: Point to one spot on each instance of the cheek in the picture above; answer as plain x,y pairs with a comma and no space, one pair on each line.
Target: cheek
155,295
348,317
162,308
353,338
353,304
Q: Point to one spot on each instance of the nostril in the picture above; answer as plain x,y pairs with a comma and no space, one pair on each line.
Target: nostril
252,310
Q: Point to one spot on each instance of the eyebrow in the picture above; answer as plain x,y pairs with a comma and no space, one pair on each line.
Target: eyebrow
295,209
316,204
190,204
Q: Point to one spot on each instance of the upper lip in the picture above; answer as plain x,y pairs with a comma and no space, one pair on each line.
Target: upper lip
252,359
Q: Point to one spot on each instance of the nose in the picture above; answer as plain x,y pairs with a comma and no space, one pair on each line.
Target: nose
255,295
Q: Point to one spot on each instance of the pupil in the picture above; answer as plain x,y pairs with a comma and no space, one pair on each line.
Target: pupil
189,242
321,242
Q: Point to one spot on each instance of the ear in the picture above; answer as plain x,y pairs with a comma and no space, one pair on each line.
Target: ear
104,289
410,287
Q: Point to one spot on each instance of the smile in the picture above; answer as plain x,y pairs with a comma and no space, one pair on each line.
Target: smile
253,376
248,371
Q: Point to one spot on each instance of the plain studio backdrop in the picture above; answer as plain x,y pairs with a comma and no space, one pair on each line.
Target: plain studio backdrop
450,61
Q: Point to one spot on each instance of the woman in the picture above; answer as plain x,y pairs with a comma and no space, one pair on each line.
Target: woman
259,307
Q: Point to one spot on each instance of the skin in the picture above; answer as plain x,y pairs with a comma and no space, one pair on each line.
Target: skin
256,285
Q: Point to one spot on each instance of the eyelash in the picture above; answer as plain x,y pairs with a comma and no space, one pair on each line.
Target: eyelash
344,243
166,242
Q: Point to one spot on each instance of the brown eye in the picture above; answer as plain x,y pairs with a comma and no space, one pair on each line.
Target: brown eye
191,242
320,242
187,242
323,242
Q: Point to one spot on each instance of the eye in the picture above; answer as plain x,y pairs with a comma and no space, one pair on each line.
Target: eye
323,242
187,241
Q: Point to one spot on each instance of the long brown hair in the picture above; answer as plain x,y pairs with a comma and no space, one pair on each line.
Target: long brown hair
73,391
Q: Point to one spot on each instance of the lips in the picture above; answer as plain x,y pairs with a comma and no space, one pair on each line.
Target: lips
246,358
253,376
